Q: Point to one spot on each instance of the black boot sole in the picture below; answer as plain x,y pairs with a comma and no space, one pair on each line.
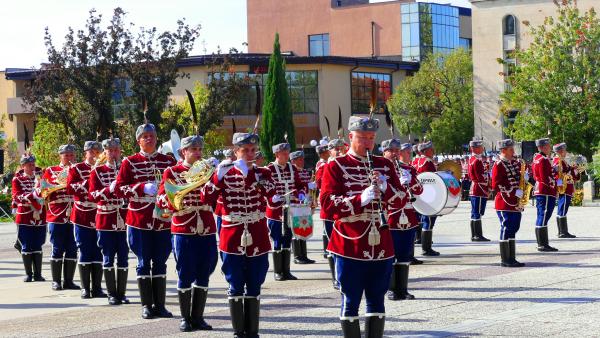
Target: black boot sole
547,249
479,239
431,253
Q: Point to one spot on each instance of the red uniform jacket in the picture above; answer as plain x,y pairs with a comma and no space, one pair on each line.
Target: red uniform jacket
30,207
137,170
286,180
243,212
567,169
424,164
319,172
111,210
410,219
84,210
196,216
480,179
59,203
544,176
505,181
355,232
320,168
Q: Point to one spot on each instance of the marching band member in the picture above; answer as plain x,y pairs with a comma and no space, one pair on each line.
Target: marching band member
148,232
110,221
260,159
413,163
29,218
299,245
506,175
337,147
425,163
403,221
479,191
564,200
323,154
244,238
194,242
83,218
545,192
287,182
363,251
59,205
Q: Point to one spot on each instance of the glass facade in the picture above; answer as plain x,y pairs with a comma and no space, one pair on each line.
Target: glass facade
428,28
361,90
318,45
303,89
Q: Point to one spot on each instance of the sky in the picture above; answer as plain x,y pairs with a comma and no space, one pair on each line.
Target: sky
22,23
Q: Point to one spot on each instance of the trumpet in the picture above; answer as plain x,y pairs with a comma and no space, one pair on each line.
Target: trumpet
198,175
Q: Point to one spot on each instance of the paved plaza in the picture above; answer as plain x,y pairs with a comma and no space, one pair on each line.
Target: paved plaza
464,292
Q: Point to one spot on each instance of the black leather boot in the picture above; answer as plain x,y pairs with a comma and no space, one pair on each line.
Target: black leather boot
374,326
401,271
418,234
351,329
414,260
278,266
477,232
251,316
97,291
28,264
286,257
122,284
18,245
325,244
236,311
393,288
505,254
297,251
512,254
541,234
159,294
426,242
145,288
199,296
37,267
56,268
110,279
334,281
563,228
69,267
185,304
85,272
302,256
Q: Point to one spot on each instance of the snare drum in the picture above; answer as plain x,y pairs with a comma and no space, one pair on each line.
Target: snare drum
441,194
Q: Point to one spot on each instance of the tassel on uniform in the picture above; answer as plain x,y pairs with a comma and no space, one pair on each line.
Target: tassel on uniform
374,236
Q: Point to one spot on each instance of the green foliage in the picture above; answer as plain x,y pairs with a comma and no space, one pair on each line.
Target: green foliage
437,102
46,141
214,140
577,199
11,156
555,85
277,117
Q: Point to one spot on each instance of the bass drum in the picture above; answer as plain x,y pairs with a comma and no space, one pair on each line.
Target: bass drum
441,194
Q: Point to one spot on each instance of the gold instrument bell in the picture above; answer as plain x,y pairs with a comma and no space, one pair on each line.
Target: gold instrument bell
48,188
198,175
452,167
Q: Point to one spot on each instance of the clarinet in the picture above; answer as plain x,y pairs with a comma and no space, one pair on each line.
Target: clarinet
377,203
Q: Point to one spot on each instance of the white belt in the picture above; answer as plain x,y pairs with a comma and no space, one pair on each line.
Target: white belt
61,200
364,217
145,199
85,204
191,209
243,219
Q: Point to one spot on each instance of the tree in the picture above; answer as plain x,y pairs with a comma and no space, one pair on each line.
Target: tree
105,67
555,84
437,102
277,117
46,148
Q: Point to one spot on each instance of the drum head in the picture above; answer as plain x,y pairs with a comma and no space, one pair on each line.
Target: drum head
434,196
454,192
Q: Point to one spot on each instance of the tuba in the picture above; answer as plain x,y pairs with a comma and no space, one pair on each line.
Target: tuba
198,175
525,186
48,188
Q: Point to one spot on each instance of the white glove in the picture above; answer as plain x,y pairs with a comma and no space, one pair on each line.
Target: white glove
367,196
301,197
405,178
112,187
150,189
559,183
312,185
519,193
241,165
383,185
214,161
276,198
526,176
14,211
223,168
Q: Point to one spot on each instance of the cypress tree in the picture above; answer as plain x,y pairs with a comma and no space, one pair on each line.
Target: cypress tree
277,119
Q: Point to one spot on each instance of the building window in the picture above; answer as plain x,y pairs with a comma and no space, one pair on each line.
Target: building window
339,3
361,90
509,25
318,45
465,43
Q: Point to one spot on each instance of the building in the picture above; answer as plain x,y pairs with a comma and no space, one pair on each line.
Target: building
318,86
497,30
402,30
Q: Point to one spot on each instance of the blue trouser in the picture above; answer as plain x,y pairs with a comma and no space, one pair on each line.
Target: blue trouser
152,249
428,222
545,206
196,259
564,202
219,221
477,207
404,244
357,277
32,238
280,241
87,242
327,228
244,274
113,243
63,241
510,222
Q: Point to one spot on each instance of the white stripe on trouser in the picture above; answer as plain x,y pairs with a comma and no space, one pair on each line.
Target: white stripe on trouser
502,225
380,315
545,211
